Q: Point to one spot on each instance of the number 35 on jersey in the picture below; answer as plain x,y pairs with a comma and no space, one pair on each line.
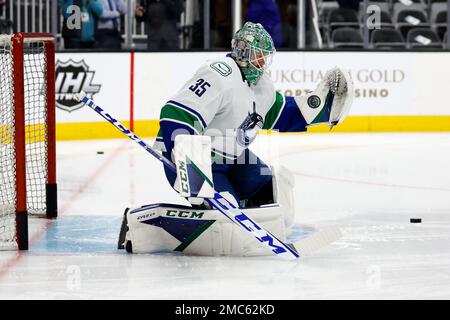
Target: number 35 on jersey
200,87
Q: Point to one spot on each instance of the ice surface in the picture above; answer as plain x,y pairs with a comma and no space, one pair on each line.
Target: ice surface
369,185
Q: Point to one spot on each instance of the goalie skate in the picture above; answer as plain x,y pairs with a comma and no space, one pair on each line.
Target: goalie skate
123,231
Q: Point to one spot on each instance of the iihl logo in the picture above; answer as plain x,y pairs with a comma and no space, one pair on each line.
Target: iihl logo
72,77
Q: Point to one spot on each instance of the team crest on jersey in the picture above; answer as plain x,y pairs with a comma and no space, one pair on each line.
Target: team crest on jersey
222,68
247,131
72,77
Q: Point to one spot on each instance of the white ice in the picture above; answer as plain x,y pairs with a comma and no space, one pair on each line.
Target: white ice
369,185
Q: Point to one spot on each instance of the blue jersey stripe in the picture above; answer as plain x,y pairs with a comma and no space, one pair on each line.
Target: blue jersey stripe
170,130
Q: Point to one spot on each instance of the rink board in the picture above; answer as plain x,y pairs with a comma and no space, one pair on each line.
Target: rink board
394,91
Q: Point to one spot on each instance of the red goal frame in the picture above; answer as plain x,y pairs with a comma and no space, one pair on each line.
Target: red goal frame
18,41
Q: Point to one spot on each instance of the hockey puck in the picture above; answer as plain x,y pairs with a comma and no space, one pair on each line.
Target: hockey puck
415,220
100,152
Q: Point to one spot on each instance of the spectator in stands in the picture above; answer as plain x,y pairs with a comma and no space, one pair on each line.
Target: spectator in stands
83,37
290,26
220,24
6,25
108,27
161,19
267,13
349,4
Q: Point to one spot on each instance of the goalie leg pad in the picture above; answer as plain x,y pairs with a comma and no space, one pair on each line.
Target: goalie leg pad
207,232
162,228
283,185
193,162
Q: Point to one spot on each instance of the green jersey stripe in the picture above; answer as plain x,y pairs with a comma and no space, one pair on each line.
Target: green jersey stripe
170,111
275,111
192,114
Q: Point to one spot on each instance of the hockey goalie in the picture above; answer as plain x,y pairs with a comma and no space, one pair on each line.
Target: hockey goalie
206,129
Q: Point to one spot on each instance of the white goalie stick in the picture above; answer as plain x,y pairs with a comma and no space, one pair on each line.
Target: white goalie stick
278,247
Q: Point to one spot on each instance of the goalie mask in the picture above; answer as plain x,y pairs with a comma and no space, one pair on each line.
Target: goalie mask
252,49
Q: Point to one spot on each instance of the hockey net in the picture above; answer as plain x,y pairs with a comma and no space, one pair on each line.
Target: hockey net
27,149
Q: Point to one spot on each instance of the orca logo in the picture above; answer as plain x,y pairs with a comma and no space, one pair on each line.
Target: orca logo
248,129
72,77
314,102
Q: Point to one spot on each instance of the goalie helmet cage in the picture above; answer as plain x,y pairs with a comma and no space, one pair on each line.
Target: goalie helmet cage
27,134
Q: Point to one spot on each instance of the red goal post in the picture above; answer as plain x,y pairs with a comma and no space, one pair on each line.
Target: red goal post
27,134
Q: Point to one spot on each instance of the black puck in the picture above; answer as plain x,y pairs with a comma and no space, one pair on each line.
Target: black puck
415,220
100,152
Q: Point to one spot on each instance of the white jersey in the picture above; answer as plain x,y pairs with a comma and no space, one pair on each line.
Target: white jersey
217,101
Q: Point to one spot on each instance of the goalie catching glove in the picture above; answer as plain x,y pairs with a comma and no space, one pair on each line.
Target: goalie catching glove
330,102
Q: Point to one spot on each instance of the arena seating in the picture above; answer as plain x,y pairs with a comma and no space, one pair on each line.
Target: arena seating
398,20
346,37
438,18
419,38
387,39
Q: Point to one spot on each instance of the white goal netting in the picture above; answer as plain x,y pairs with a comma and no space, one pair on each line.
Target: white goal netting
7,148
34,73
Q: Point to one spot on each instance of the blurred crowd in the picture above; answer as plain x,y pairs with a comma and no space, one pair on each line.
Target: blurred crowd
170,25
92,23
102,23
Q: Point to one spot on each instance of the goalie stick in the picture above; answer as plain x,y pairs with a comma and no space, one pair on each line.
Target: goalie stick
278,247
